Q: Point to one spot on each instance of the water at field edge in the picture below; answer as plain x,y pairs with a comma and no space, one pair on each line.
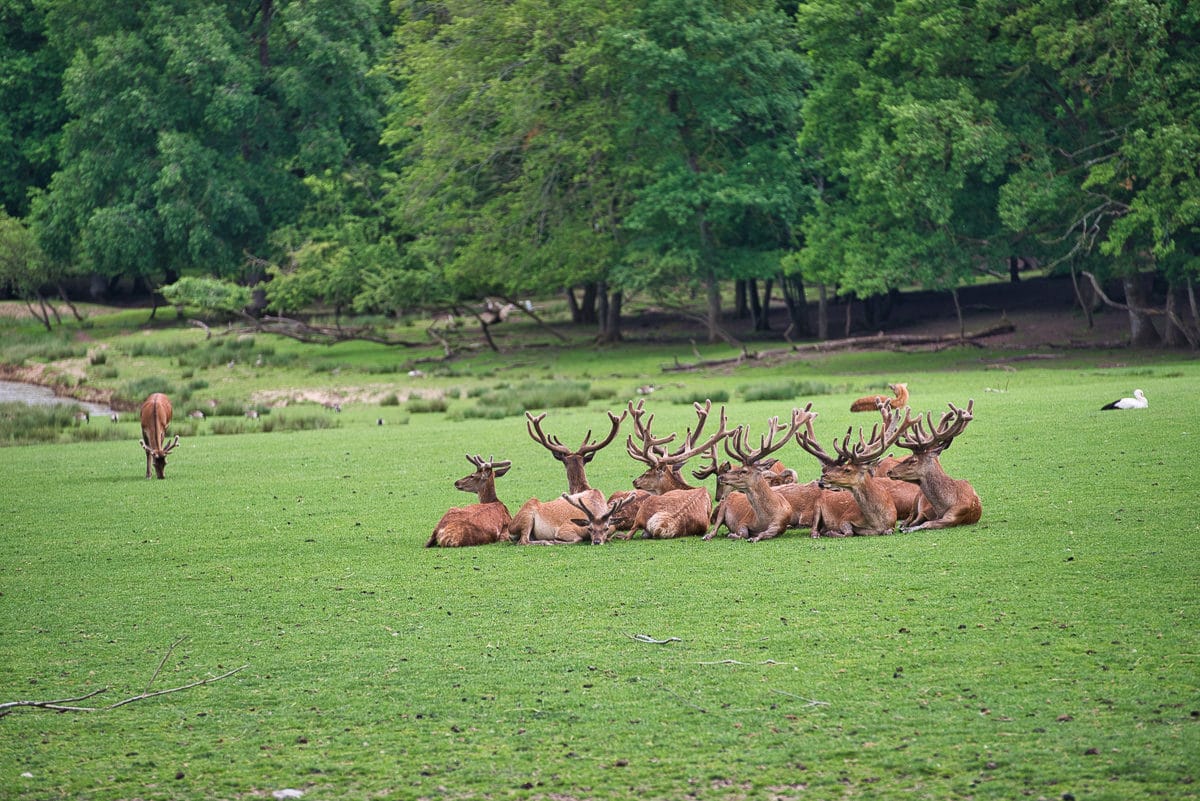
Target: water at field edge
35,395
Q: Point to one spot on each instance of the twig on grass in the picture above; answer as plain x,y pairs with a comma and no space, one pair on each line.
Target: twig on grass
808,701
737,662
647,638
67,704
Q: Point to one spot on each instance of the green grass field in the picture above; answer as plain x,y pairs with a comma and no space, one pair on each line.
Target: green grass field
1051,651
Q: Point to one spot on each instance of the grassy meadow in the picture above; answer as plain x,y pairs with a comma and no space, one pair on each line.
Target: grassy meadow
1050,651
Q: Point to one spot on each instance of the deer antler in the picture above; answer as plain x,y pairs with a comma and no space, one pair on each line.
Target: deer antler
613,506
919,439
767,443
653,451
871,450
490,464
586,449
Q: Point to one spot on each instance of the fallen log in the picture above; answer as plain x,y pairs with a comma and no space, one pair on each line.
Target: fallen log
880,340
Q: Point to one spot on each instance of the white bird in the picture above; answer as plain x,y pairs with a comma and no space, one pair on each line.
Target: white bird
1138,401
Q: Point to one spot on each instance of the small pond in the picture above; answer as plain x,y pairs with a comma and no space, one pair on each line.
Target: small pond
35,395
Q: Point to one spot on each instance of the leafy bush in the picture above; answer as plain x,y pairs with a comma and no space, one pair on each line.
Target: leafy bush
137,390
390,400
209,295
418,405
699,396
789,390
301,422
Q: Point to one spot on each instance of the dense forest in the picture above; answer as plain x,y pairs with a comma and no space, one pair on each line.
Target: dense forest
367,156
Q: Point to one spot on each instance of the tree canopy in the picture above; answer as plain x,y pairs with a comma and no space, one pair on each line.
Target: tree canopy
376,156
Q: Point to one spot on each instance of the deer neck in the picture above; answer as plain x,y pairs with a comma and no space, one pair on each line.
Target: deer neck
576,475
939,488
763,500
874,501
487,493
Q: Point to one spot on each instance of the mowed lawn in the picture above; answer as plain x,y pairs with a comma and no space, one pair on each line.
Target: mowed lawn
1051,651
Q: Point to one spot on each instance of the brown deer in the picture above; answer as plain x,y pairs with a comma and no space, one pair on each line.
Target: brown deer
674,507
772,511
553,521
156,416
953,502
597,527
854,469
733,507
871,402
480,523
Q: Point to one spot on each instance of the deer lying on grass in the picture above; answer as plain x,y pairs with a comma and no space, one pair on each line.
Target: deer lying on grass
156,416
480,523
552,522
597,527
870,403
772,513
954,502
674,508
854,469
733,508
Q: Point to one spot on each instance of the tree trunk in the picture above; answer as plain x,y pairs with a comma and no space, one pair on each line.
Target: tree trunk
587,311
755,307
612,320
1142,332
573,305
849,311
797,305
1086,297
44,320
600,305
714,309
740,305
762,320
822,312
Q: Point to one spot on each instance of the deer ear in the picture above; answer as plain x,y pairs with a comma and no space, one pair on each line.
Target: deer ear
579,521
499,471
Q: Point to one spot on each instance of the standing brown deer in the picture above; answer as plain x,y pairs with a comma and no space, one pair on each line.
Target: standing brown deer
674,508
954,502
156,416
772,511
553,521
854,469
480,523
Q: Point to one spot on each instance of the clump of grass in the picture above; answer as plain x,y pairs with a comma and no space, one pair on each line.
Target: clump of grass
105,372
21,424
136,391
699,396
417,405
300,422
505,400
782,391
98,358
228,408
227,426
390,400
158,349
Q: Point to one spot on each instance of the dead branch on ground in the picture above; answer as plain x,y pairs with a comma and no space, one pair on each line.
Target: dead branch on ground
68,704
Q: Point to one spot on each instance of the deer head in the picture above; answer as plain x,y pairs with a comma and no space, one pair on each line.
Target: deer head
662,474
927,441
597,527
574,461
483,480
753,461
158,456
855,463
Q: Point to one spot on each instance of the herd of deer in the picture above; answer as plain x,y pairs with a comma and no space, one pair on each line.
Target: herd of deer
861,489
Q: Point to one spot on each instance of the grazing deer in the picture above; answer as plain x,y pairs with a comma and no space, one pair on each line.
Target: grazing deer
772,511
854,469
480,523
674,507
597,526
954,502
871,402
553,521
156,416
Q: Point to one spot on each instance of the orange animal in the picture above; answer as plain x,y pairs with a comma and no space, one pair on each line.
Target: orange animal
870,403
480,523
953,502
156,416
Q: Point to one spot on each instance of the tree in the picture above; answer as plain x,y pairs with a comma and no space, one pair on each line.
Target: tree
23,267
193,126
711,96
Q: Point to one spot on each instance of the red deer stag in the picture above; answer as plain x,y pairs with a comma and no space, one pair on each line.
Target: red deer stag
156,416
954,502
674,508
772,511
733,508
854,469
480,523
553,521
597,527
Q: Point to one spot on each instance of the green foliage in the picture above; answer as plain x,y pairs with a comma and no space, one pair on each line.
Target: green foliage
783,390
506,400
139,389
426,405
209,295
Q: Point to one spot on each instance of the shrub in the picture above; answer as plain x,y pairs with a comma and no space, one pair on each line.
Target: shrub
137,390
300,422
418,405
390,400
784,391
699,396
